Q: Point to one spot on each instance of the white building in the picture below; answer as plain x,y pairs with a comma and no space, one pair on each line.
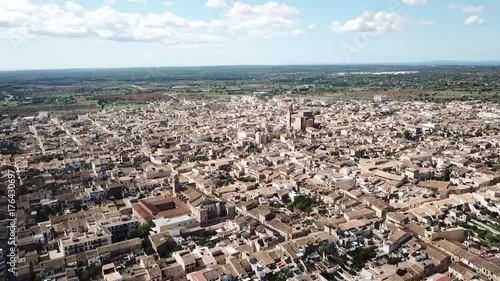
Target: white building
94,193
165,224
342,179
431,127
380,98
83,242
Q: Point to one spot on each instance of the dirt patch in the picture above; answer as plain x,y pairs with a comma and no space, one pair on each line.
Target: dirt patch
136,97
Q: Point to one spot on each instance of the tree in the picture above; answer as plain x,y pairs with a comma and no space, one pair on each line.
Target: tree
84,275
141,232
394,260
446,174
253,148
408,135
305,204
246,179
327,248
149,250
282,276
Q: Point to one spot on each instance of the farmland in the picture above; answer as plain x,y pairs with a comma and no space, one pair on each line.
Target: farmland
79,91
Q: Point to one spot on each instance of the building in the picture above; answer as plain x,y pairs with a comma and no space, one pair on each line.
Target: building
453,234
3,265
165,224
158,207
206,209
186,260
380,98
119,227
364,213
301,120
460,254
110,274
210,210
83,242
210,274
94,193
289,116
262,138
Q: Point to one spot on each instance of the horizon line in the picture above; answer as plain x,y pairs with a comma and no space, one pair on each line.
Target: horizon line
418,63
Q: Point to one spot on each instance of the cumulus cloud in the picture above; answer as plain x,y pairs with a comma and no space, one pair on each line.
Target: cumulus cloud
311,26
266,20
426,22
415,2
216,4
472,9
467,9
376,24
474,20
23,18
144,2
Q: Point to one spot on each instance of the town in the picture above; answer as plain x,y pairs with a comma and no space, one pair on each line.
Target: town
248,188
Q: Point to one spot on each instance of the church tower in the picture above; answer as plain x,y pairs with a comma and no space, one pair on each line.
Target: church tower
289,116
175,183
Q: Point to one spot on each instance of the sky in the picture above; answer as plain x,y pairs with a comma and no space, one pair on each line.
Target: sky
58,34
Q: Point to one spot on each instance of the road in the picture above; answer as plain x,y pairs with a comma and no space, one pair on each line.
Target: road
35,135
137,87
73,137
97,124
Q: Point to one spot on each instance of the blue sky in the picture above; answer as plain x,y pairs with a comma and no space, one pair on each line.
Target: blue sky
46,34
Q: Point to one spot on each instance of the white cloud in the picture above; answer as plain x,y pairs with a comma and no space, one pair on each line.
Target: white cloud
311,26
472,9
415,2
266,20
474,20
216,4
144,2
377,24
25,19
168,3
467,9
426,22
109,2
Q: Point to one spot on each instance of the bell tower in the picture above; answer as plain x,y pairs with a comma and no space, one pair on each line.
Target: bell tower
174,182
289,116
